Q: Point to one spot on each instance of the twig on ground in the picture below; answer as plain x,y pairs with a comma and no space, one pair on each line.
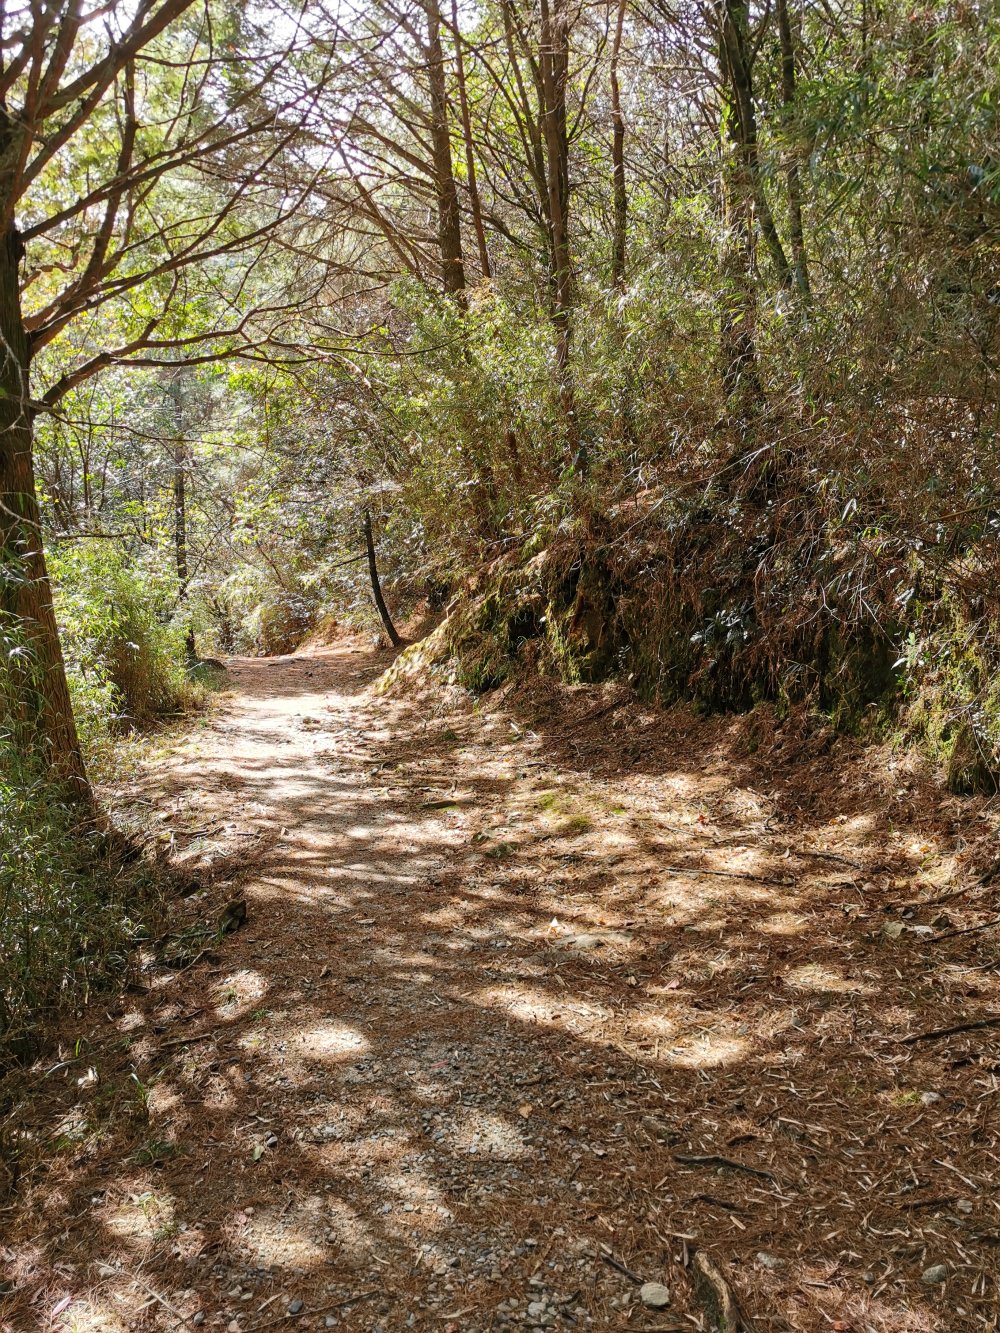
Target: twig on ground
826,856
162,1300
943,898
626,1272
712,1159
716,1203
718,1298
934,1033
725,874
185,1041
940,1202
287,1318
966,930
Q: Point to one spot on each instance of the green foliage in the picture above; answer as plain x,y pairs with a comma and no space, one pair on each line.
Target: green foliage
124,651
949,675
69,914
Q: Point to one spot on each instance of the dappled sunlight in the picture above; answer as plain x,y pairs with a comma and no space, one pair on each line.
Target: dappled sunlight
271,1238
819,977
783,923
96,1316
456,1052
143,1217
235,993
331,1041
707,1050
484,1132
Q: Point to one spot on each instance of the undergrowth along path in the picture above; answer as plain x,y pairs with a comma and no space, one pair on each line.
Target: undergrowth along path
533,1000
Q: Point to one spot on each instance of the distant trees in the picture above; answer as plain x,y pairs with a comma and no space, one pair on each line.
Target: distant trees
521,260
141,192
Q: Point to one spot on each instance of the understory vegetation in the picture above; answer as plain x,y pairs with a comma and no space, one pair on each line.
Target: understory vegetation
651,342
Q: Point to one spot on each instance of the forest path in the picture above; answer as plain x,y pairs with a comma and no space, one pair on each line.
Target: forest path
515,1014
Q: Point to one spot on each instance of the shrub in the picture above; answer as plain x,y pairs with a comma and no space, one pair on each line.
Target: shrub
66,909
124,651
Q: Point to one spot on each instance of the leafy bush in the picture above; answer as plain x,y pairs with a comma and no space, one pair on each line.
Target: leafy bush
257,614
66,909
124,651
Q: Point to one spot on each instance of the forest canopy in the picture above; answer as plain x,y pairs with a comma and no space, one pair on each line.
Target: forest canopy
661,336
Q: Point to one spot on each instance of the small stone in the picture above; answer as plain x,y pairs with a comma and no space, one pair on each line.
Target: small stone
768,1260
964,1205
929,1098
935,1274
198,1319
654,1295
295,1307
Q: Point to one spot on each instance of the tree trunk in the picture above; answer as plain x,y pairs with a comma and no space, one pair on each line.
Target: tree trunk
383,610
618,159
799,262
736,61
37,693
620,227
554,71
449,217
738,314
180,507
470,152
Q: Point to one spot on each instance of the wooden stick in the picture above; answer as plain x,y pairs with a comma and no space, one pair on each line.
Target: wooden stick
712,1159
185,1041
968,930
626,1272
950,1032
725,874
323,1309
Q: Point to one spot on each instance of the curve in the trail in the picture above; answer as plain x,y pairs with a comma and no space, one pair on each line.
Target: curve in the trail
502,1036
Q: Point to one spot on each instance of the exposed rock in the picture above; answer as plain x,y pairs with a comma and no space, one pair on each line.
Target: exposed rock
654,1295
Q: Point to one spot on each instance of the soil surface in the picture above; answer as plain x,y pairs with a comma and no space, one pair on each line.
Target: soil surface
534,1001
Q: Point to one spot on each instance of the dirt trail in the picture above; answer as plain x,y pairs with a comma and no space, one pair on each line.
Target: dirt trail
518,1019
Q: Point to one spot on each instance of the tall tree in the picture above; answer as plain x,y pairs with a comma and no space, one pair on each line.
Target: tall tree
76,241
793,175
449,217
620,223
469,142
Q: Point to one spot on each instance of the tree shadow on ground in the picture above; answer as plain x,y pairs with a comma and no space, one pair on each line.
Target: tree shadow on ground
493,1034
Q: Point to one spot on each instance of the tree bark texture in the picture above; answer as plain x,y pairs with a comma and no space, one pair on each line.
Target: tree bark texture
738,313
619,235
34,677
180,462
470,151
554,71
383,610
449,217
800,265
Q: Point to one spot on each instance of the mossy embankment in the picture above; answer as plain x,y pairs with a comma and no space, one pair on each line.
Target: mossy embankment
726,605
